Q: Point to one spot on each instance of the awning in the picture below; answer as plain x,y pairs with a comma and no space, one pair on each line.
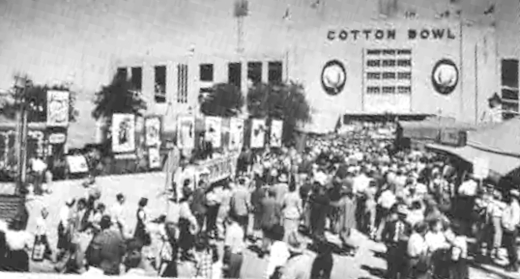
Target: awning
501,164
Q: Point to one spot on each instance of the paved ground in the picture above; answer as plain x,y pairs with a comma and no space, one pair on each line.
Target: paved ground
366,264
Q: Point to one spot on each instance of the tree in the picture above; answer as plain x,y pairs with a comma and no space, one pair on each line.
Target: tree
117,97
36,98
223,99
285,101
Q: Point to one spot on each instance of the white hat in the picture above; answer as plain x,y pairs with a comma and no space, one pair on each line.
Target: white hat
515,193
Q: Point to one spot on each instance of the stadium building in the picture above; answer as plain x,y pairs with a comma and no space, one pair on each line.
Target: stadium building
402,64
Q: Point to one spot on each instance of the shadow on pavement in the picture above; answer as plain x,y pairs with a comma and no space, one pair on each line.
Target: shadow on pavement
488,270
374,271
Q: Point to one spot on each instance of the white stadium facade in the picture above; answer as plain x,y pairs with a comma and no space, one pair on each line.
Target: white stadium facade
355,62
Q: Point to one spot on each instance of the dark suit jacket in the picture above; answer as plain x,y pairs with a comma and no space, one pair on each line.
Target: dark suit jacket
388,235
270,212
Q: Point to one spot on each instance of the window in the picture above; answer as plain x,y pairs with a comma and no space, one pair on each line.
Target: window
206,72
122,73
254,72
137,78
275,72
182,83
388,71
160,84
235,74
509,88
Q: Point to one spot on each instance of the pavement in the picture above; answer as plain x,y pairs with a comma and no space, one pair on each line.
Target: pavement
367,263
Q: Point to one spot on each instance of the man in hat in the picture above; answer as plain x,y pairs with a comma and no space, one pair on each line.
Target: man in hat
107,249
240,204
510,224
300,263
183,173
281,188
395,236
234,247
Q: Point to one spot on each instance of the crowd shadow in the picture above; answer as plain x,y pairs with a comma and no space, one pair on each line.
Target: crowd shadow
374,271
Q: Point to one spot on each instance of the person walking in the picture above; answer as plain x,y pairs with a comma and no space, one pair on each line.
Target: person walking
117,213
107,249
141,233
234,247
292,210
300,262
395,236
347,221
240,205
510,224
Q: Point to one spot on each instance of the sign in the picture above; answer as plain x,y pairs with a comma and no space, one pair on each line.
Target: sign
390,34
123,133
186,132
480,168
77,164
152,127
236,134
258,133
333,77
387,103
7,188
275,137
154,158
58,108
213,128
453,137
57,138
445,76
219,168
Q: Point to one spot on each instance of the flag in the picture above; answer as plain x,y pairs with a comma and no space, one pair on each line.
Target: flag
287,14
490,10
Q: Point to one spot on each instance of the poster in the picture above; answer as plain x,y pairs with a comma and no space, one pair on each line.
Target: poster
257,133
154,158
236,133
275,137
214,130
152,126
186,132
123,133
57,108
77,164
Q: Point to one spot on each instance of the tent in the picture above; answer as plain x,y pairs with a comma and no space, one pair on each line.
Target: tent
498,144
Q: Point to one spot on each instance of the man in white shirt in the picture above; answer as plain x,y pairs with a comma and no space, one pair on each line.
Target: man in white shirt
468,188
117,213
183,173
234,246
361,182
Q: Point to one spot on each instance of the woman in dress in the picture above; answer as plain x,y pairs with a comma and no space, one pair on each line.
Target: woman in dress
169,249
140,232
187,225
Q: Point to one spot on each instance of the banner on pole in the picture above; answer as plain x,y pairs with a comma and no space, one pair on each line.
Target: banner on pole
186,132
258,133
275,137
58,108
152,127
236,134
214,130
123,133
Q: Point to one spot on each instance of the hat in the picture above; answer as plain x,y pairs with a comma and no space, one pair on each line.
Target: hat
70,201
515,193
296,242
282,178
402,210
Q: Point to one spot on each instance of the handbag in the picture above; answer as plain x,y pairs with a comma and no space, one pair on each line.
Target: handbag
166,252
38,251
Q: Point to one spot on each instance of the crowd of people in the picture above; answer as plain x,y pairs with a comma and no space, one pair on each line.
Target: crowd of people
284,205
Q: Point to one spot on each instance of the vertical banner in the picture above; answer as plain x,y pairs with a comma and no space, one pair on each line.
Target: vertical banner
236,134
58,108
275,136
152,127
123,133
258,133
186,132
154,159
214,130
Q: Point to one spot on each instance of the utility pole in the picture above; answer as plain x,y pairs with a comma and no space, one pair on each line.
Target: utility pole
21,85
241,10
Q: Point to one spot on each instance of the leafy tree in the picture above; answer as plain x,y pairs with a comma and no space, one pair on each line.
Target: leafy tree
36,98
223,99
285,101
117,97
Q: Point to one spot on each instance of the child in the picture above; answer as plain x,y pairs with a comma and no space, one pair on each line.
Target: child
41,247
322,265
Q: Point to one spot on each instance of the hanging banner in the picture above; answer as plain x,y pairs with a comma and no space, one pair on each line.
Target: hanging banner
152,126
58,108
123,133
77,164
219,168
186,132
236,134
257,133
154,158
275,137
214,130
